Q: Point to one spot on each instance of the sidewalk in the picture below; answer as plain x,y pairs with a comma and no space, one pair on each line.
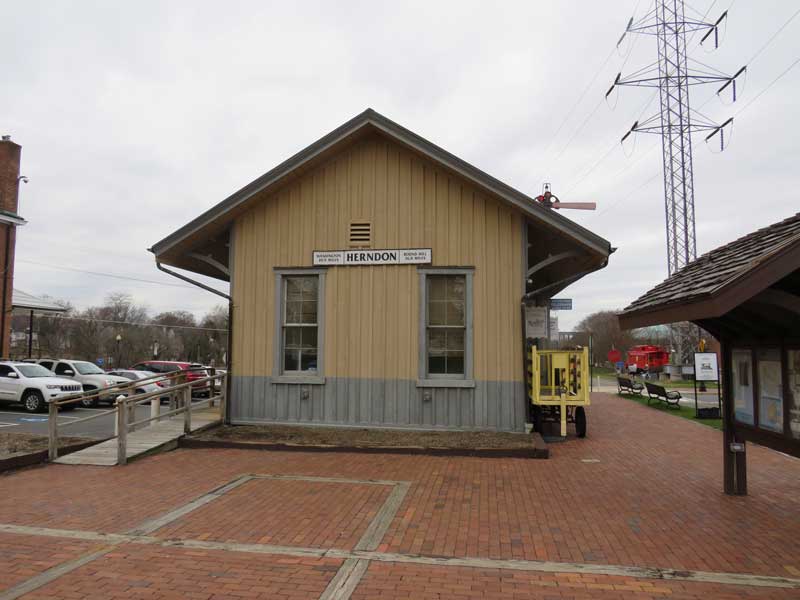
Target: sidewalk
608,385
635,510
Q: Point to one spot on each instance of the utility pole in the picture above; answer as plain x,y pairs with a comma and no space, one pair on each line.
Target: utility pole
673,75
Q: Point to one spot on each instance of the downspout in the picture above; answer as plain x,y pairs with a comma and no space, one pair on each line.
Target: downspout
207,288
6,351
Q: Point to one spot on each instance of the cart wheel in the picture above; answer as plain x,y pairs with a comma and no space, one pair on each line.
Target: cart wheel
580,421
537,418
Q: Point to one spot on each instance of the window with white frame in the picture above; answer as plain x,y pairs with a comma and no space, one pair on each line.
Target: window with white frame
446,349
300,324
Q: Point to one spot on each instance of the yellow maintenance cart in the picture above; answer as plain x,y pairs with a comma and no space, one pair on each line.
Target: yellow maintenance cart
558,387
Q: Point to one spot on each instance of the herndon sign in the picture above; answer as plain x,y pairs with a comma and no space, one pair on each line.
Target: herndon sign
401,256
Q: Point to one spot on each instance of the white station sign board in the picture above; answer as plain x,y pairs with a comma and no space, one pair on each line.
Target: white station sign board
705,366
401,256
535,321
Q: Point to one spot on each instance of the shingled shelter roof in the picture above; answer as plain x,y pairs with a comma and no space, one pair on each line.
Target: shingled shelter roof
722,279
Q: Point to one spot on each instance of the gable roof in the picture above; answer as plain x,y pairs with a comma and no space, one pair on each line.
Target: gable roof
722,278
20,299
219,216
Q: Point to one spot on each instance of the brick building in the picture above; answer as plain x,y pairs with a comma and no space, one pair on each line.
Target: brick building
10,154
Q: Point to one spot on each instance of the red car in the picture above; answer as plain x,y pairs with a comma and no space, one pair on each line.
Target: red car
195,371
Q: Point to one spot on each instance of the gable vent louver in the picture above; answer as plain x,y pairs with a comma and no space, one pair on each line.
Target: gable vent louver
360,233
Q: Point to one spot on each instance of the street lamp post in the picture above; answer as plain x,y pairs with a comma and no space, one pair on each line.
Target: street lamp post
119,339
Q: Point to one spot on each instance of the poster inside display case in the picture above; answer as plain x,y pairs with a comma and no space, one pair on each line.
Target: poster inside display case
793,371
770,398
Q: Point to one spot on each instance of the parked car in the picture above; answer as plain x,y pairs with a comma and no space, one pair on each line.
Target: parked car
33,385
171,368
88,374
148,387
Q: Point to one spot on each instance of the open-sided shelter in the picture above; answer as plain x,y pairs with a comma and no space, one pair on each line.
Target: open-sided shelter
30,304
377,280
747,294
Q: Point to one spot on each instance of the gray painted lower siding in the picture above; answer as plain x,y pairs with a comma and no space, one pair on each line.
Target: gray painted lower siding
379,403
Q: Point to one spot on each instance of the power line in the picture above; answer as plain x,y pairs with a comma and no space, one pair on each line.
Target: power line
703,18
758,53
100,274
580,99
626,197
592,168
162,325
772,38
773,82
641,112
579,129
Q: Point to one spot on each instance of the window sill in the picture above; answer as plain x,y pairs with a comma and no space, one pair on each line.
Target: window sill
299,379
445,383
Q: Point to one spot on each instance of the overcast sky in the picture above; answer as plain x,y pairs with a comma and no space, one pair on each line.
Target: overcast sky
135,117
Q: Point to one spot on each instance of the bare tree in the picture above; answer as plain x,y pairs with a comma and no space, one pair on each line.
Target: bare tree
606,334
216,323
121,333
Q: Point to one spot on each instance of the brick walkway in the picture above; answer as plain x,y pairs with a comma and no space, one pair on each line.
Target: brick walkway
642,491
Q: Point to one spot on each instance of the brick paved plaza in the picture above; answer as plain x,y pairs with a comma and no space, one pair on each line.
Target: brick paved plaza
635,510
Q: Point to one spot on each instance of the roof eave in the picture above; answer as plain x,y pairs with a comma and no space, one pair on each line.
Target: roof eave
370,118
722,299
668,313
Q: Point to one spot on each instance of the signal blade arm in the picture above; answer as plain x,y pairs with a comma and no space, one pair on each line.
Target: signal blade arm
575,205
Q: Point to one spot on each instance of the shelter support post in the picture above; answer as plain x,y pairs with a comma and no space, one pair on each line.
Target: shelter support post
733,451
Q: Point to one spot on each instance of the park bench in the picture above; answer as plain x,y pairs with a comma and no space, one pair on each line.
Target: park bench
625,385
657,392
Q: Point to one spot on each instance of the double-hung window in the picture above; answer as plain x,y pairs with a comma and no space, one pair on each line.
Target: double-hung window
299,324
446,331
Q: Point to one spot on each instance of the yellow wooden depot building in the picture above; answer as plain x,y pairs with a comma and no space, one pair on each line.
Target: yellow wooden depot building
378,280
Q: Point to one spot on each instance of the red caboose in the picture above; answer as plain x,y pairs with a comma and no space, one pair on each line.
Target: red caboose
647,358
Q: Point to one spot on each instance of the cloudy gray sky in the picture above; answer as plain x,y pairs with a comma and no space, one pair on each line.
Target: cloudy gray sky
135,117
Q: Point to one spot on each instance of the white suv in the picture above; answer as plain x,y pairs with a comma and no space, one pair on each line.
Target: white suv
33,385
88,374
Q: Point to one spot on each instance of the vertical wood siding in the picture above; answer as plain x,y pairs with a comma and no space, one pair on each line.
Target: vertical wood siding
372,312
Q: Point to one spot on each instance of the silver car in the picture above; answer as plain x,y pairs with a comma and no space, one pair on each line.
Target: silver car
154,385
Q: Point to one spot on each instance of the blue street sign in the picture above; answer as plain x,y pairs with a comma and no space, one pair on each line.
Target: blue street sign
99,361
560,303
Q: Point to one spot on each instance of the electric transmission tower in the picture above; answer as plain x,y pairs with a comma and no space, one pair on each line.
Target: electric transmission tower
673,75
